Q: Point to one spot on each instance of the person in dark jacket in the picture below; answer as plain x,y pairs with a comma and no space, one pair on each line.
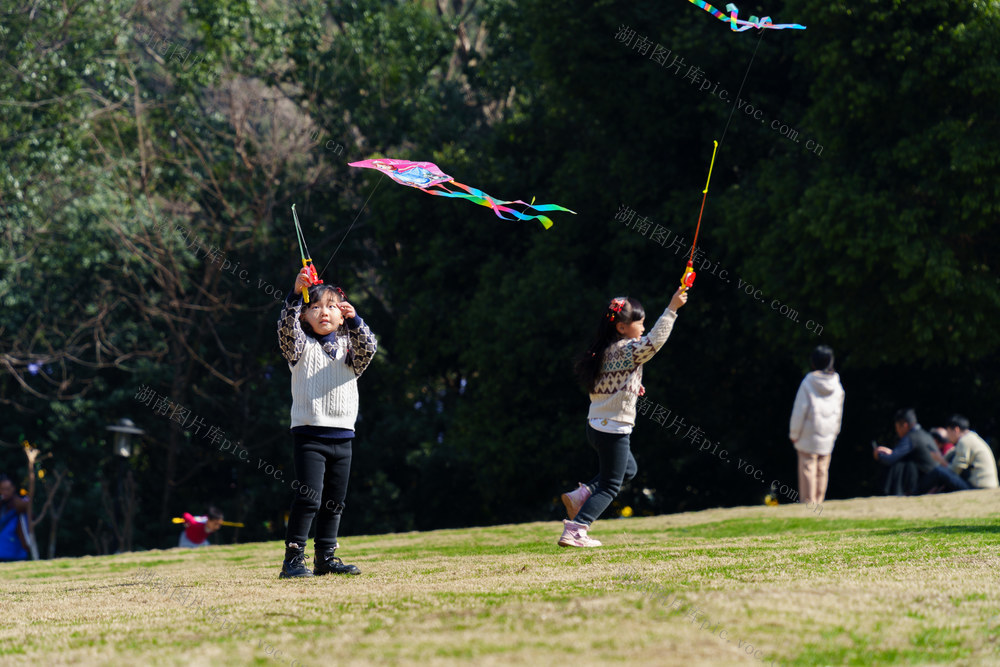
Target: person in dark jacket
917,447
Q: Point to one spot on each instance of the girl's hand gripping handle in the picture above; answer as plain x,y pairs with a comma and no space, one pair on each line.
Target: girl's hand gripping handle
680,298
687,280
311,278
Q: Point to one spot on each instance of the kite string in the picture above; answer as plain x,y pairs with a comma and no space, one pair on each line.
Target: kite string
298,234
378,183
742,83
694,243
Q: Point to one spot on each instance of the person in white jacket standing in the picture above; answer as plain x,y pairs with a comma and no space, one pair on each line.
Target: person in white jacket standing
815,424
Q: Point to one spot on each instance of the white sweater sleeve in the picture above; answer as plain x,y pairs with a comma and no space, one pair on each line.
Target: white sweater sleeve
645,347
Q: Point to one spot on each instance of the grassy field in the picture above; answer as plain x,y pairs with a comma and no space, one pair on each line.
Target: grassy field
866,581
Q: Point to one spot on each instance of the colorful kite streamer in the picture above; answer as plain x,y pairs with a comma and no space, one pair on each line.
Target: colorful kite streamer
427,175
754,22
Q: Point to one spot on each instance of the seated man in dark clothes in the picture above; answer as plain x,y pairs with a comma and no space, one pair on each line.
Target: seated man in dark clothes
918,448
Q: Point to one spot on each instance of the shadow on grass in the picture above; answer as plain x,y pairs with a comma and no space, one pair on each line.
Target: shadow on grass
946,530
829,528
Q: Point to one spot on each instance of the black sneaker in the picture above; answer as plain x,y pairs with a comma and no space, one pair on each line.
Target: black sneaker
295,563
327,564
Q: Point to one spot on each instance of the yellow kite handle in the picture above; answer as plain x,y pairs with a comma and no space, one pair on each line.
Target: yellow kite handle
711,164
234,524
687,280
305,290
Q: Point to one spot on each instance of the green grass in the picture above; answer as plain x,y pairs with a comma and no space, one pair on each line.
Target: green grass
869,581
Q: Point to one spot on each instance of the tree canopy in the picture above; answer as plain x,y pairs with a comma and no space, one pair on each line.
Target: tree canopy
150,153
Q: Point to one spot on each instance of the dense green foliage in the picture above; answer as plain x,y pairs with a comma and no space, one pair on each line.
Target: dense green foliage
147,240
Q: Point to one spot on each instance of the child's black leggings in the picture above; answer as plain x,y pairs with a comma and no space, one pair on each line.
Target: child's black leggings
322,467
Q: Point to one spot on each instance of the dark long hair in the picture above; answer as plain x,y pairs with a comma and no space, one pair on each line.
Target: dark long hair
620,309
822,358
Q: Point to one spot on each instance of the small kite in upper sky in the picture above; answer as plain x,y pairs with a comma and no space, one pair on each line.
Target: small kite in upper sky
733,22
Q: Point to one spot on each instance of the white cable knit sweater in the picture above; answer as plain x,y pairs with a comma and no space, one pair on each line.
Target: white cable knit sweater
324,385
617,389
324,392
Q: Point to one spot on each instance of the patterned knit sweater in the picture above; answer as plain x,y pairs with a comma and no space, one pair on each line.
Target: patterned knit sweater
617,389
324,375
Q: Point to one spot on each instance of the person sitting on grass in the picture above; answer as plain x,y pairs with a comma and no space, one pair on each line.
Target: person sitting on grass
945,446
971,453
198,528
917,446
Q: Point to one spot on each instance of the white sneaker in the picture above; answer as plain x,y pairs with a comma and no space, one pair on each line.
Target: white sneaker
575,535
574,500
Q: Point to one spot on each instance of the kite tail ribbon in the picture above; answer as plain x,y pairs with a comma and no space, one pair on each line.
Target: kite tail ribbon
499,206
739,25
753,22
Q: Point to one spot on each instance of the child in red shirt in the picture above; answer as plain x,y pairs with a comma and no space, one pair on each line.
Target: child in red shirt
198,528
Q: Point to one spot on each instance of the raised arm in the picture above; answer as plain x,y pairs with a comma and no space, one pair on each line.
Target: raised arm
291,337
646,346
904,447
21,503
363,343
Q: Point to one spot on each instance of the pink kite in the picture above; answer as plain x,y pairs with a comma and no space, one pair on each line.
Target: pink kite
427,175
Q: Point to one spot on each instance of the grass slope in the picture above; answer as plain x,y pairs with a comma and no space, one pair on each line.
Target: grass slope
867,581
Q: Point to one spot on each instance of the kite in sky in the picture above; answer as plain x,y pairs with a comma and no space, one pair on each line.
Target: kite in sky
754,22
426,175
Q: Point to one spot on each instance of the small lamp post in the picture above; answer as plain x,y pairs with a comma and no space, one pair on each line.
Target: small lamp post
124,430
122,447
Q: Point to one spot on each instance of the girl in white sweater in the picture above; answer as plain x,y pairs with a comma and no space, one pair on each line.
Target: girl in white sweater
327,348
815,424
611,369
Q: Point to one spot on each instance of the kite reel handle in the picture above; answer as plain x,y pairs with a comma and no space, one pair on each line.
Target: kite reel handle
307,263
687,280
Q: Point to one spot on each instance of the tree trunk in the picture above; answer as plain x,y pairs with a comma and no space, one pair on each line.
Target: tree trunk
56,515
